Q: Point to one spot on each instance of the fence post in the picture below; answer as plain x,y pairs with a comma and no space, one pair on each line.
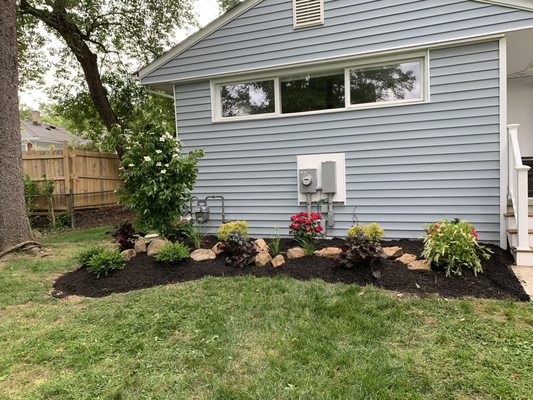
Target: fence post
66,167
71,206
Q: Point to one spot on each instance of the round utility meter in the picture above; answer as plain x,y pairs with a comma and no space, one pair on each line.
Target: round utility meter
307,180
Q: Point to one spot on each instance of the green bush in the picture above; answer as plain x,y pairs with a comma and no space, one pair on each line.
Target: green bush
106,261
62,221
453,245
172,253
372,232
360,251
224,230
84,256
240,250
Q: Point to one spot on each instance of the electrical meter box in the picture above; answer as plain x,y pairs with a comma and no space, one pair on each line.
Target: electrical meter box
308,180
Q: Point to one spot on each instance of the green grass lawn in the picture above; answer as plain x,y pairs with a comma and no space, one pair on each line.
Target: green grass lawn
252,338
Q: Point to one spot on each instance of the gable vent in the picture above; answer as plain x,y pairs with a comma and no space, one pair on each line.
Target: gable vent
308,13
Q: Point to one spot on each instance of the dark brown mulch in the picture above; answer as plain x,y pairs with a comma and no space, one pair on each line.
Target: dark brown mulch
94,218
497,281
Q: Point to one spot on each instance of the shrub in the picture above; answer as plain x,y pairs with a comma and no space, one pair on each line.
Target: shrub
453,245
84,256
62,221
172,253
241,250
106,261
224,230
372,232
157,176
31,191
360,251
124,235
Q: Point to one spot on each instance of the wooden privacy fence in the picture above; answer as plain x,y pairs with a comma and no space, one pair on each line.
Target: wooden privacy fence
91,177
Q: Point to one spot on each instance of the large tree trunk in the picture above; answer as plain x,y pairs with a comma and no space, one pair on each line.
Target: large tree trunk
14,225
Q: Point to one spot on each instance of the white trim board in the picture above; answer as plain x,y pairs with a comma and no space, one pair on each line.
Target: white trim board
248,4
504,152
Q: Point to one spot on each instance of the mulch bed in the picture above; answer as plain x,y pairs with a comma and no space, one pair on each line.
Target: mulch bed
94,218
496,282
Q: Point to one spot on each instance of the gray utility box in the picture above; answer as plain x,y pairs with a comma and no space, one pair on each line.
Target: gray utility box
307,180
329,177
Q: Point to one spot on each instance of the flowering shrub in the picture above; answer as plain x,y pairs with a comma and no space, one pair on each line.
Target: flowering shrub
224,230
157,177
305,229
453,245
372,232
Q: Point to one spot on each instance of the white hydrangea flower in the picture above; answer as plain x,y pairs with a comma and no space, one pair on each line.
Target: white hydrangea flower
166,165
162,138
158,164
158,151
163,171
131,165
147,158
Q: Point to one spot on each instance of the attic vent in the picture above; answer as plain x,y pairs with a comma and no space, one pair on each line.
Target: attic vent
308,13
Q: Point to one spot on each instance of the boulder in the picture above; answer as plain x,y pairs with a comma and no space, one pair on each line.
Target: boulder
420,266
393,253
328,252
203,255
218,248
262,259
278,261
295,252
261,246
406,259
140,246
155,245
128,254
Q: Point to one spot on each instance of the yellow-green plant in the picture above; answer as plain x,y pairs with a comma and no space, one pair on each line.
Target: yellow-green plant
224,230
372,232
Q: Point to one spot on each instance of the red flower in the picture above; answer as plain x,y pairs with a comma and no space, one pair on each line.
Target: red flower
319,229
474,233
293,217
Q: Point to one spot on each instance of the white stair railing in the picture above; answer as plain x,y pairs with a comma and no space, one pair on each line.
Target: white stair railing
518,190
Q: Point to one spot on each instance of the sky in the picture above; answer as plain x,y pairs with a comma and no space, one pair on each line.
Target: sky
207,10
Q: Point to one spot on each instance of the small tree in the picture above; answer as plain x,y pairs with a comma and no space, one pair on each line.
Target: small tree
157,176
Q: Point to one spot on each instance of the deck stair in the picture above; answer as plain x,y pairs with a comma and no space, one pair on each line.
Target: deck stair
524,256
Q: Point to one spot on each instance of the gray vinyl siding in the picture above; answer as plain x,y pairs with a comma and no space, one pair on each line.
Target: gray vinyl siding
263,36
405,165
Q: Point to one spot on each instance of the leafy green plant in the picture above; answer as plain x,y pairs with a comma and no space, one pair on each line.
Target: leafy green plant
309,245
84,256
47,190
372,232
157,177
240,250
360,251
172,253
62,221
196,237
179,231
224,230
124,235
31,191
453,245
275,243
105,261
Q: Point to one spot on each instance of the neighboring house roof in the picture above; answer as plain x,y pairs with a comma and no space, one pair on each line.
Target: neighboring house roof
246,5
46,133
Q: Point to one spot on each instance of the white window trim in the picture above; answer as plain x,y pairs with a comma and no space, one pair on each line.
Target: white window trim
308,24
423,57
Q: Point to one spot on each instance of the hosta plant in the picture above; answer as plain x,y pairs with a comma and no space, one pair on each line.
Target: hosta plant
240,250
227,228
373,232
360,251
105,261
453,246
172,253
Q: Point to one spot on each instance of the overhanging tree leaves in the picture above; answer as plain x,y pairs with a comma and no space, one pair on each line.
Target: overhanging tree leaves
114,35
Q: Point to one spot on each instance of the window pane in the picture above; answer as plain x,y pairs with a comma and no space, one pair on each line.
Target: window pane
310,92
393,82
247,98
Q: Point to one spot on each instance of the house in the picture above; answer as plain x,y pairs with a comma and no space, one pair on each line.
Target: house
36,135
408,100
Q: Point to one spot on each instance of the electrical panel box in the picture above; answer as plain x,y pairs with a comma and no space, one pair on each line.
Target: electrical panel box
329,177
308,180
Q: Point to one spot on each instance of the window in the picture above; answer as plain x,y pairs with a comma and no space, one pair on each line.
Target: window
312,92
308,13
248,98
306,91
386,83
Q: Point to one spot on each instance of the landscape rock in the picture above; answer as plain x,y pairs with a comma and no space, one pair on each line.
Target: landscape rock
329,252
128,254
36,234
420,266
218,248
140,246
295,252
261,246
155,245
278,261
203,255
262,259
406,259
393,253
